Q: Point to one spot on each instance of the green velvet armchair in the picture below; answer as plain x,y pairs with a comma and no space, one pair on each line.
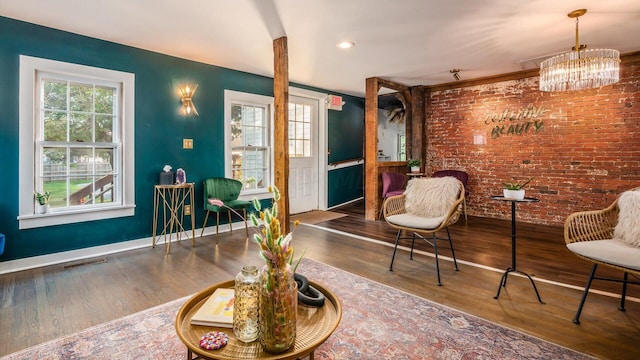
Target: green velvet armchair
226,190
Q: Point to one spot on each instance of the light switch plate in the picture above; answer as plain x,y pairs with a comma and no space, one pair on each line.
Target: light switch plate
187,143
187,209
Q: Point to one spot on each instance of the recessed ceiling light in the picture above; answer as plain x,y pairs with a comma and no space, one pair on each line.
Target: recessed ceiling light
345,45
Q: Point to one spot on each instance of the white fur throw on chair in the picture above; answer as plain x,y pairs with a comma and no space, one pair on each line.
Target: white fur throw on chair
431,197
628,227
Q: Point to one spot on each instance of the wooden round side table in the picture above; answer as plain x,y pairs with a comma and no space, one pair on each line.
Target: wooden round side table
313,327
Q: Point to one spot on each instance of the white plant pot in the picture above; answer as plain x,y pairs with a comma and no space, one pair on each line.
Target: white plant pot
513,194
415,169
42,209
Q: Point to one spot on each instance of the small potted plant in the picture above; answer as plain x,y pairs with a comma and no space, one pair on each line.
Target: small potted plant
414,165
515,190
42,202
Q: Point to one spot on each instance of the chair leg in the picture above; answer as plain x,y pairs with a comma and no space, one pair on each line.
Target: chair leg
464,208
435,250
230,224
413,240
576,319
624,291
453,253
394,250
381,213
217,225
204,224
246,227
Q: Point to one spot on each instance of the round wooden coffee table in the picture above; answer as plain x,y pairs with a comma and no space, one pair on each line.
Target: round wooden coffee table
313,327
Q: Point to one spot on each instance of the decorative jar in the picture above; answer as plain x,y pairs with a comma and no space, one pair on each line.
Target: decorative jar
278,307
245,304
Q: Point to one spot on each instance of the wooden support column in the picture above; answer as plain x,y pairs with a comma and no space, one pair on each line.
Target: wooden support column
371,198
417,137
281,128
373,168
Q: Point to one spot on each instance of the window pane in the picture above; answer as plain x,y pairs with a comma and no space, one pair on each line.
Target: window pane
80,128
55,126
247,126
81,97
258,117
300,147
247,115
236,126
81,162
104,100
104,161
236,164
103,180
307,131
103,189
54,174
307,113
249,167
54,94
299,130
104,128
80,190
299,113
292,147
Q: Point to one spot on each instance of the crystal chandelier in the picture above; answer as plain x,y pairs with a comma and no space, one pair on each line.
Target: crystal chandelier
580,69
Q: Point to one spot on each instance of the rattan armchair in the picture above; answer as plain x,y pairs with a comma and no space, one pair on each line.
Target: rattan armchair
589,235
423,227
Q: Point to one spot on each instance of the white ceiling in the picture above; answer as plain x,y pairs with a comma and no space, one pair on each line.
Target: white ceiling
413,42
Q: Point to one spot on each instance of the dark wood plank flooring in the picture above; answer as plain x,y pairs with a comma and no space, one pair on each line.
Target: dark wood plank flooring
42,304
540,249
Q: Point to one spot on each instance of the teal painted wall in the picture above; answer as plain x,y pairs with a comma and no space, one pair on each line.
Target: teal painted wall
344,183
346,131
346,143
159,130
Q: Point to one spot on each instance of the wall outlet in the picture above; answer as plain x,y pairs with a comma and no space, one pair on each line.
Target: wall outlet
187,143
187,209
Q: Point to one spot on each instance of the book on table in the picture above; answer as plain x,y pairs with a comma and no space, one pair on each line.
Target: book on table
217,310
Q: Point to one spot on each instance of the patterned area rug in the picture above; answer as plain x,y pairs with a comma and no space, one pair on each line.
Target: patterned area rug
316,216
378,322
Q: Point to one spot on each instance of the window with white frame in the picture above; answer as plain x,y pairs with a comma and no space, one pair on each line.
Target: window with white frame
248,137
299,130
76,141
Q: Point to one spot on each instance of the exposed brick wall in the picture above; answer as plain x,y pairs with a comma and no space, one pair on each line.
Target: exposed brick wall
585,153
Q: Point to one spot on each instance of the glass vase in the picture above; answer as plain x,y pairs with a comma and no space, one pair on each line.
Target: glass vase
245,307
278,308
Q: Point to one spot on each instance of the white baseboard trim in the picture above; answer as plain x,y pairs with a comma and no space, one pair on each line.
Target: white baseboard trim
345,203
95,251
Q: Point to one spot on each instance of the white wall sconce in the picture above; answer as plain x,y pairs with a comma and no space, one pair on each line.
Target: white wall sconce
186,96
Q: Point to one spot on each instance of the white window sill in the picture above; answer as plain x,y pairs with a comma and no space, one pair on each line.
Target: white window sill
255,194
31,221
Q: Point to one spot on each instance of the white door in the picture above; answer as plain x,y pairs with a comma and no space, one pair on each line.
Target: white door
303,154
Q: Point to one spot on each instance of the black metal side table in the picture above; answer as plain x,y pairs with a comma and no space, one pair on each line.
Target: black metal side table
503,281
